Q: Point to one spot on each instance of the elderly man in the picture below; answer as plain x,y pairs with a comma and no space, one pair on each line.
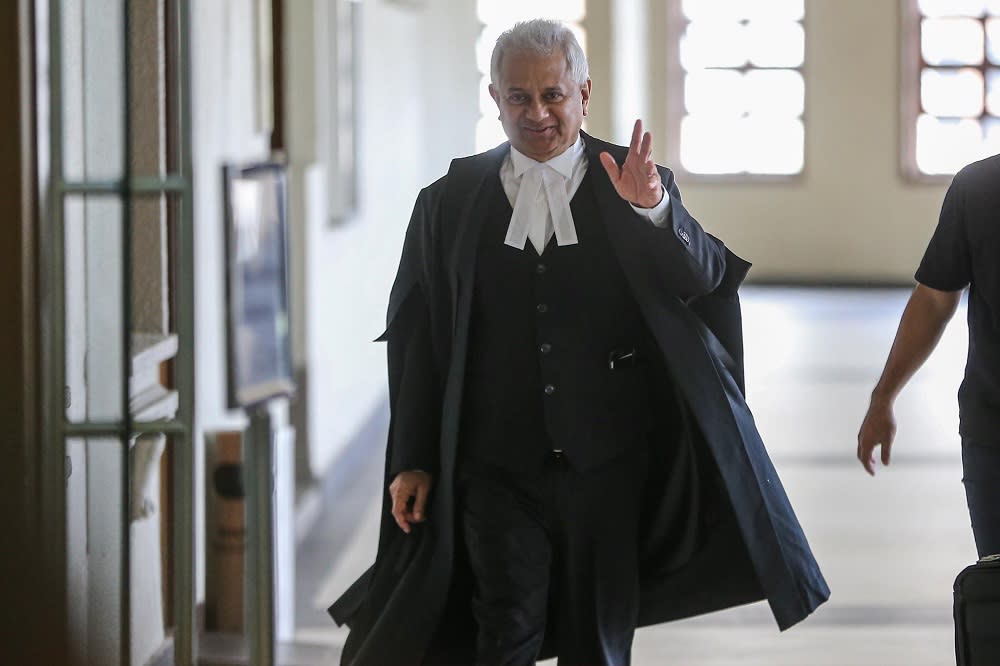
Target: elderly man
570,454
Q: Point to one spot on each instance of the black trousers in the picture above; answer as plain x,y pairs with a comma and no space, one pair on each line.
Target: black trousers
981,465
554,553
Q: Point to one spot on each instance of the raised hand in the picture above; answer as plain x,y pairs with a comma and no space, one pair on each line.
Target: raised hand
637,180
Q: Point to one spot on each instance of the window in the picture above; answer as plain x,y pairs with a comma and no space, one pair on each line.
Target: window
740,92
496,16
951,90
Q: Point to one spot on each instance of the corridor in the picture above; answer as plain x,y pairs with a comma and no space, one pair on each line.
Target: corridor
889,546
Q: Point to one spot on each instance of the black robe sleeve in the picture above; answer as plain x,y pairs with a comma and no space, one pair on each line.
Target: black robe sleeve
415,385
690,261
417,408
678,259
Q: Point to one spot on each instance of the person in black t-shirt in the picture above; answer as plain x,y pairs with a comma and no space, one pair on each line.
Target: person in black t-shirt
964,251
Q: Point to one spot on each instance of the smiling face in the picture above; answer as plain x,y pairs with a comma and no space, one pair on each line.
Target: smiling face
541,106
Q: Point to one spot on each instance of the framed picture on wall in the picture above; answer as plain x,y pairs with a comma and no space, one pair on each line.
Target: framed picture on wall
257,321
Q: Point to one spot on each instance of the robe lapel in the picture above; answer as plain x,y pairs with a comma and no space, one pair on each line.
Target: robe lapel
470,188
611,206
615,213
464,211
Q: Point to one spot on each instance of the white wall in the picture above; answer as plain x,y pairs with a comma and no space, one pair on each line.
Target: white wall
417,110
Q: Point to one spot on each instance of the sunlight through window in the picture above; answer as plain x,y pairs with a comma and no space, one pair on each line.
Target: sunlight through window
958,78
744,93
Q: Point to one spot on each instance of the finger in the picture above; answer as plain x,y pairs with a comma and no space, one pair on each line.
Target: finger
865,455
400,510
868,460
609,164
420,502
633,147
646,148
886,452
399,515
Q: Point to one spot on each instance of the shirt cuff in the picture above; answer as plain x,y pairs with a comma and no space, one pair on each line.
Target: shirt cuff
657,214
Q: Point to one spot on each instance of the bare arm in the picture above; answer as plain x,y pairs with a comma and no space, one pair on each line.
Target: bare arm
924,319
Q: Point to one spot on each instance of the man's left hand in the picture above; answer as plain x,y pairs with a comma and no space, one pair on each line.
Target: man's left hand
637,180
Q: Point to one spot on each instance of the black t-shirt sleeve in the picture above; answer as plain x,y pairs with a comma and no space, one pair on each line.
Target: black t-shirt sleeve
947,264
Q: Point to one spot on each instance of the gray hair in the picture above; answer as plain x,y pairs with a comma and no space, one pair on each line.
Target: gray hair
541,37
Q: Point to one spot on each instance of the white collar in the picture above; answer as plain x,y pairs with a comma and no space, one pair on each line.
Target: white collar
541,197
563,163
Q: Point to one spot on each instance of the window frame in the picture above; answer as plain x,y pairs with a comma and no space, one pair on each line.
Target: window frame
674,109
911,65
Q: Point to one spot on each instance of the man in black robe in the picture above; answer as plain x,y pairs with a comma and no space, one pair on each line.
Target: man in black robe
570,454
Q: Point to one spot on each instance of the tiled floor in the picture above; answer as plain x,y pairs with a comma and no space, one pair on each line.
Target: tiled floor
889,546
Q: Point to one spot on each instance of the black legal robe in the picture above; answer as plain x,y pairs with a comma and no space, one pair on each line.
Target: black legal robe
408,608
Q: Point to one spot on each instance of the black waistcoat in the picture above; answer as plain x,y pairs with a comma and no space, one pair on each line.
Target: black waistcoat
542,331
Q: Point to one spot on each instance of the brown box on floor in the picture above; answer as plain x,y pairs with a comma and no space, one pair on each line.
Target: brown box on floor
225,531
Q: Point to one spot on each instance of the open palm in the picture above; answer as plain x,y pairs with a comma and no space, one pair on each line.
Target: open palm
637,180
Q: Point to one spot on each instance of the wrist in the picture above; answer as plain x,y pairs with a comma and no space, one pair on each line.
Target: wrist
882,397
648,205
